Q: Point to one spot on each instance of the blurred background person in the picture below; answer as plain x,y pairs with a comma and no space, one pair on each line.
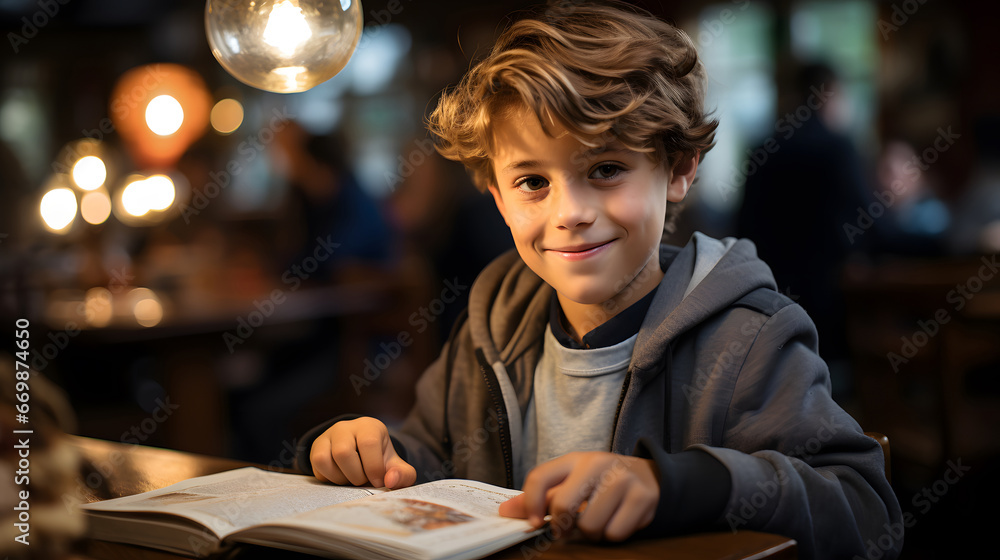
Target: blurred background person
324,207
976,228
915,218
796,204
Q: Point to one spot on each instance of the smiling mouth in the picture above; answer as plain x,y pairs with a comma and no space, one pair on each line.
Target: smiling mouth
580,248
582,251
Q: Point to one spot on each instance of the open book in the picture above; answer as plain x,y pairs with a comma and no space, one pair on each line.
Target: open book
447,519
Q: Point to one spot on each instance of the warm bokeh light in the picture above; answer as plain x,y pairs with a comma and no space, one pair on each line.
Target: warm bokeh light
95,207
159,192
134,199
140,196
146,307
159,110
58,209
227,116
98,308
164,115
89,172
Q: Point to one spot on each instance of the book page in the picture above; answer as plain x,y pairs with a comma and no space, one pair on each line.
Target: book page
442,518
236,499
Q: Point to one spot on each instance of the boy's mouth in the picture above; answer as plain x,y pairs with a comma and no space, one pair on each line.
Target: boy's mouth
581,251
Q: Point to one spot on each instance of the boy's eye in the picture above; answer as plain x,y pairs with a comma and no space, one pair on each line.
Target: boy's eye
531,184
606,171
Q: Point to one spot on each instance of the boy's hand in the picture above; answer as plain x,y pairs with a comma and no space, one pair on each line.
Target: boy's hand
357,452
606,496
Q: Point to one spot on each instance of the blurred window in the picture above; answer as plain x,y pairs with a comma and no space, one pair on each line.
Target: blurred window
735,41
843,33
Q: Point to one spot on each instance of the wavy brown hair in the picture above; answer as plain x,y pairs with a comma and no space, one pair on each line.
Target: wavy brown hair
596,69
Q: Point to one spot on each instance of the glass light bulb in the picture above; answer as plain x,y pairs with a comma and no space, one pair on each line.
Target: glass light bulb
284,46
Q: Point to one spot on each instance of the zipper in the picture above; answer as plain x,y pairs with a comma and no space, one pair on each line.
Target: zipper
503,425
668,370
448,368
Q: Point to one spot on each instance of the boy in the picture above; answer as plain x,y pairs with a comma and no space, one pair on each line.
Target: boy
626,386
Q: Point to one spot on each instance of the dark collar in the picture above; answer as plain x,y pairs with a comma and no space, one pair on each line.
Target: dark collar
616,329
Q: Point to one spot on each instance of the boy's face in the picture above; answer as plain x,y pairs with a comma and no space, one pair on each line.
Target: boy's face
588,222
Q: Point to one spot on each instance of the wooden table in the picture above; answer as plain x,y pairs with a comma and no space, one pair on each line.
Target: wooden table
132,469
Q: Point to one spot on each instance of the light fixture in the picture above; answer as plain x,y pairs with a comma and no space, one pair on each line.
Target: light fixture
283,46
159,110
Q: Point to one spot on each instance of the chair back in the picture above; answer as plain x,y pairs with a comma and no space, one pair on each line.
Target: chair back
883,441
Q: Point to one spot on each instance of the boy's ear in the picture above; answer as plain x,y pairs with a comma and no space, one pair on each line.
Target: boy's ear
495,191
681,178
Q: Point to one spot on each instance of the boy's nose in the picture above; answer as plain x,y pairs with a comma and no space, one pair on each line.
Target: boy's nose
572,207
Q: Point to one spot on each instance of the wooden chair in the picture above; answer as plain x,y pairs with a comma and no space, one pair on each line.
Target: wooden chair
884,442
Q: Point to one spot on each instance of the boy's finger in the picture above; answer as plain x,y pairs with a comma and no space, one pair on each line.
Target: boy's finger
322,463
345,457
370,450
536,486
399,473
630,516
513,507
564,503
605,503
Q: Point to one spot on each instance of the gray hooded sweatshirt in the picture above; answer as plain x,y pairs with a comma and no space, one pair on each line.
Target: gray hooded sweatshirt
725,392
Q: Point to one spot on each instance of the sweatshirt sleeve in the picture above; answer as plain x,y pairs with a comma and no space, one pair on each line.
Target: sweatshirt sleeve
800,465
694,490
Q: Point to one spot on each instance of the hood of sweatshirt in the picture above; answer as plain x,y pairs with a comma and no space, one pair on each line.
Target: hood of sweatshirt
508,304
